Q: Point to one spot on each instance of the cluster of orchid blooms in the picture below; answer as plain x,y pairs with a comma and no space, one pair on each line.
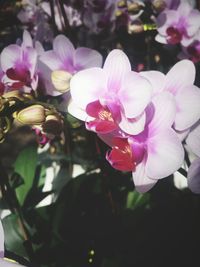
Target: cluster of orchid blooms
146,118
177,22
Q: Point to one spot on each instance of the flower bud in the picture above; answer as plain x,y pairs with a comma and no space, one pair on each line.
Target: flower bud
134,7
135,28
52,125
159,5
61,80
32,115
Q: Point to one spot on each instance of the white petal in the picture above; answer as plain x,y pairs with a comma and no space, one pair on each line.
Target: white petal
142,182
87,86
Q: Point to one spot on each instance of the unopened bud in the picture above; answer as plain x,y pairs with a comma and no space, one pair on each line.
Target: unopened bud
135,28
32,115
53,125
121,4
159,5
61,80
134,7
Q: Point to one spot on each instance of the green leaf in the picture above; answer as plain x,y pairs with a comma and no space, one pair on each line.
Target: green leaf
13,235
25,166
135,200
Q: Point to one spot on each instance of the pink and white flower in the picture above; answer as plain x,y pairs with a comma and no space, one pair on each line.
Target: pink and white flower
179,81
178,26
153,154
112,95
66,58
19,64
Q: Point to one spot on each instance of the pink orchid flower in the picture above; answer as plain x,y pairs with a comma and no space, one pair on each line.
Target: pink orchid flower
19,65
178,26
179,82
153,154
113,95
5,262
65,57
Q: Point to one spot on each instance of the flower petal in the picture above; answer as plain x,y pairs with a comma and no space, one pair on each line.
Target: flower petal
194,176
142,182
27,40
135,94
156,78
182,74
87,58
10,56
193,22
193,140
116,66
120,157
101,126
188,108
77,112
87,86
164,111
50,59
165,155
133,126
64,49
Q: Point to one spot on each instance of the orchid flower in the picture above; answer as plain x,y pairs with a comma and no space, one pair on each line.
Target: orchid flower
179,82
154,153
19,65
112,97
5,262
64,57
178,26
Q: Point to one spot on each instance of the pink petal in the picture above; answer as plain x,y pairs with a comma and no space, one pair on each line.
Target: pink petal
120,156
156,78
30,59
94,108
164,111
141,181
1,241
9,56
87,86
101,126
194,176
182,74
64,49
193,22
135,94
27,40
87,58
165,154
188,107
116,66
133,126
50,59
165,20
193,139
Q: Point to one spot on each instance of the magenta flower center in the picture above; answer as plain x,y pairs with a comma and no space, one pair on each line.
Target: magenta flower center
19,74
174,35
